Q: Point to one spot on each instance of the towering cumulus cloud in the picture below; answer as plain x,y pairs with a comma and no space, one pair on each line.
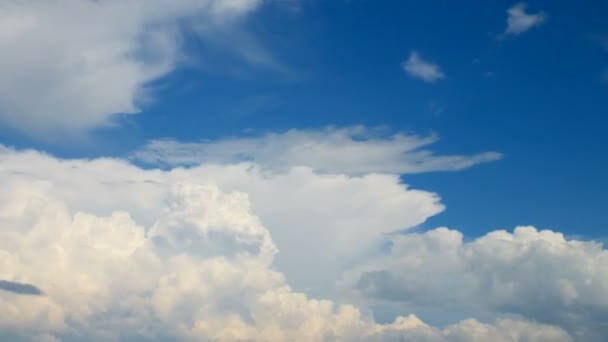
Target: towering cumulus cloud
120,252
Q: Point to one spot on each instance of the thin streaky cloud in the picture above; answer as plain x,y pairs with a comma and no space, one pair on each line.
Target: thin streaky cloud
352,150
20,288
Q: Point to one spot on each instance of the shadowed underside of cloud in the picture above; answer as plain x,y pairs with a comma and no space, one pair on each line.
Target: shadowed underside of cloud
536,274
19,288
353,150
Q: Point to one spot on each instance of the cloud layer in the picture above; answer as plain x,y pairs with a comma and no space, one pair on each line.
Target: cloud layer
71,65
199,263
355,150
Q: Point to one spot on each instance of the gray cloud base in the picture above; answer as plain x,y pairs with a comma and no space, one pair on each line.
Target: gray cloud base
353,150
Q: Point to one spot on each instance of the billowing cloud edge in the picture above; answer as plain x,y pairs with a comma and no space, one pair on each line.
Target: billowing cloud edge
200,269
518,21
537,274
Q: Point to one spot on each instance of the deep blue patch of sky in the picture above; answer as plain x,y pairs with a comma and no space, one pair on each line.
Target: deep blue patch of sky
539,98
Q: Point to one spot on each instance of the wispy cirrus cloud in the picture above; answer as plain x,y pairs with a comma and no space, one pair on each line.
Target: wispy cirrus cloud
417,67
352,150
199,247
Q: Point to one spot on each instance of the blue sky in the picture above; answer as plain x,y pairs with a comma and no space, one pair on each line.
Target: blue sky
538,97
261,130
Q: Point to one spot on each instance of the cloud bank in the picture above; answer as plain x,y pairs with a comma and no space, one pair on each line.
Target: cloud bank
354,150
198,257
68,66
18,288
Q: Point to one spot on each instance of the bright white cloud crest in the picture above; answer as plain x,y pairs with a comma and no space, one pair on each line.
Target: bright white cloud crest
71,65
198,263
208,252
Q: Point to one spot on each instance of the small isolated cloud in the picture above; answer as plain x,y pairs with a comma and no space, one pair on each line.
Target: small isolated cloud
353,150
19,288
417,67
518,21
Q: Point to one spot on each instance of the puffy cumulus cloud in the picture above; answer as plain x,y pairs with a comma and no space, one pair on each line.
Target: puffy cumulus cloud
353,150
502,330
518,21
72,65
340,217
126,253
536,274
417,67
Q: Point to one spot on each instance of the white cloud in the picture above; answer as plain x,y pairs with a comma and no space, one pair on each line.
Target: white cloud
535,274
518,21
121,252
503,330
71,65
417,67
338,216
354,151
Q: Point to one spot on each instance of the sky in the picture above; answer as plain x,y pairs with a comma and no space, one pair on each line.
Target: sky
303,170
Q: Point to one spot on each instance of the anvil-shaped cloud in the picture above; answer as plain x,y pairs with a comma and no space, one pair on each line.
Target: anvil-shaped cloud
227,251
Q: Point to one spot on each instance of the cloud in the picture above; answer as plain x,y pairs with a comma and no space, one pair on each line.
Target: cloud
339,216
354,151
19,288
69,66
535,274
502,330
199,261
518,21
416,67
